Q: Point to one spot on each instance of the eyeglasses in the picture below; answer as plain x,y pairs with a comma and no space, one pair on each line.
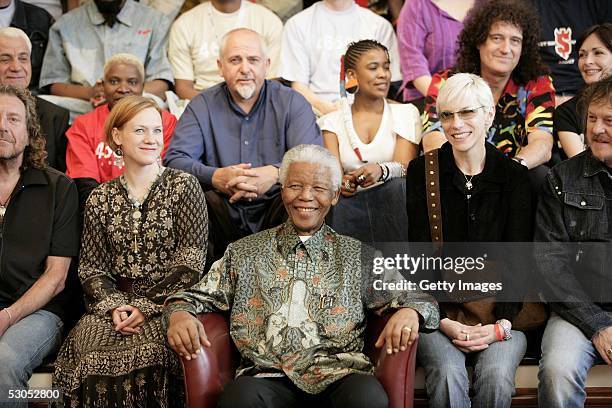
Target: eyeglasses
464,114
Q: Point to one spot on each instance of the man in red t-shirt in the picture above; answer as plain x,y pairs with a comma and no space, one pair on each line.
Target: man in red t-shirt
89,159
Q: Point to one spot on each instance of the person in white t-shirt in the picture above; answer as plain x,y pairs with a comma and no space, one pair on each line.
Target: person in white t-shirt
374,141
314,40
194,41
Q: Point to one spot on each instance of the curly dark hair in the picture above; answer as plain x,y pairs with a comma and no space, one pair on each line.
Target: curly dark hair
476,31
35,153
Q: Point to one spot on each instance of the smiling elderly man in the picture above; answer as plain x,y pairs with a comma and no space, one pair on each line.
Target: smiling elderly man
232,137
297,296
16,70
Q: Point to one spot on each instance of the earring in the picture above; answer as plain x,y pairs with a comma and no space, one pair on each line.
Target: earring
118,157
352,86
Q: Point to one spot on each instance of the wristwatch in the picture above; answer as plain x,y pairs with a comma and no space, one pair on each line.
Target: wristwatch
520,160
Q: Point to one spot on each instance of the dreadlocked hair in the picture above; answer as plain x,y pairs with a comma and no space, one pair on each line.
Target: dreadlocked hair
356,49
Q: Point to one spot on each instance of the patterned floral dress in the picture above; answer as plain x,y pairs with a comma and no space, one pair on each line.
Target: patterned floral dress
149,258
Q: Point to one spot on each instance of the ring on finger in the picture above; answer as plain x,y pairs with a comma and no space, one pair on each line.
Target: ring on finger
609,351
467,336
361,178
407,329
347,185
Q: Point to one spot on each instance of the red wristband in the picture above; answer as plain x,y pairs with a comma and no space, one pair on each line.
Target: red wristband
498,332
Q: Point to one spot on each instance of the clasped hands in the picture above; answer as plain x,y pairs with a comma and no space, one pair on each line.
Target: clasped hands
468,338
243,182
364,176
127,319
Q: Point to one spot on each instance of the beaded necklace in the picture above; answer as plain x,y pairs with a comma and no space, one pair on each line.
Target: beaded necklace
137,205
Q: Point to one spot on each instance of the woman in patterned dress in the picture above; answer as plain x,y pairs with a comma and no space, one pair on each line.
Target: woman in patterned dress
144,238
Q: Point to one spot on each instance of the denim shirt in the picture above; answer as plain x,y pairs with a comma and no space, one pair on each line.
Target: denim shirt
80,43
576,207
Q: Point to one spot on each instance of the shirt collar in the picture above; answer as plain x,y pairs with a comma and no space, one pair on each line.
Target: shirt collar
238,109
288,239
32,176
492,170
592,166
19,18
125,16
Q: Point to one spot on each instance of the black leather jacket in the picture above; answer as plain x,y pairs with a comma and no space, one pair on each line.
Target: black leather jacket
574,227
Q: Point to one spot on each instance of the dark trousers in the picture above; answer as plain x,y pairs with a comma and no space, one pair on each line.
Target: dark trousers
230,222
352,391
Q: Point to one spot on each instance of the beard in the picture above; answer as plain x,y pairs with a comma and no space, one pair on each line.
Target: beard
109,9
246,91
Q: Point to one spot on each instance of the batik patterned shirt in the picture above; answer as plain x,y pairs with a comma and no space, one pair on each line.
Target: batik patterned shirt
521,109
298,308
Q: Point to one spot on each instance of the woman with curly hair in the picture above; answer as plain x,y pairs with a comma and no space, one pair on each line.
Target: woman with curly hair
499,42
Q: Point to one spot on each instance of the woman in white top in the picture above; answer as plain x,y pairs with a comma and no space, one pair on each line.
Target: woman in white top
374,140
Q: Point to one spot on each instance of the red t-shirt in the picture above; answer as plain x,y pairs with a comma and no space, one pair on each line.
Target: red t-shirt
89,156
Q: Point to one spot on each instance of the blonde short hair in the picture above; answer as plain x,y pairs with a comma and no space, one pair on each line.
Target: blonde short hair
463,85
126,59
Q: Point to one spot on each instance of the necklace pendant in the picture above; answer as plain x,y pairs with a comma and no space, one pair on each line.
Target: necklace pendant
2,210
136,214
468,185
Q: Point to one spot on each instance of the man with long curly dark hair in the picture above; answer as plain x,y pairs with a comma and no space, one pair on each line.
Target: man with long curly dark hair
38,238
499,43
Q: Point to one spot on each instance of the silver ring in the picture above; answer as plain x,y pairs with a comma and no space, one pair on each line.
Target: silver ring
361,178
467,336
406,328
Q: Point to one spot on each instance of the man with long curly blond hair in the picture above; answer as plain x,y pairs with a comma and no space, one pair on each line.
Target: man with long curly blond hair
38,238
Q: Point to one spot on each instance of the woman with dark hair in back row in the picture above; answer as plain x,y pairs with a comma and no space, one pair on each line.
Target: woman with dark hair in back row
374,139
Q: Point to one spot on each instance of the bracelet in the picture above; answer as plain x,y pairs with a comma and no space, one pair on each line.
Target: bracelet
499,332
8,312
506,327
384,172
394,170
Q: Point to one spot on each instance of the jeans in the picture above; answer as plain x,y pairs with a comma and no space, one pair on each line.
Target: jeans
446,376
374,215
352,391
23,346
567,356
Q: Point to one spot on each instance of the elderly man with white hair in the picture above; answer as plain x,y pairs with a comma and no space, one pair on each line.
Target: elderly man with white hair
89,159
297,297
232,137
16,70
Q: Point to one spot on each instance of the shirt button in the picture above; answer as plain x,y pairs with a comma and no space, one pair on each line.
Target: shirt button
246,142
583,203
473,217
246,118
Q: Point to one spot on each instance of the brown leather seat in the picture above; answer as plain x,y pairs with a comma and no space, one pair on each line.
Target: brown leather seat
206,375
